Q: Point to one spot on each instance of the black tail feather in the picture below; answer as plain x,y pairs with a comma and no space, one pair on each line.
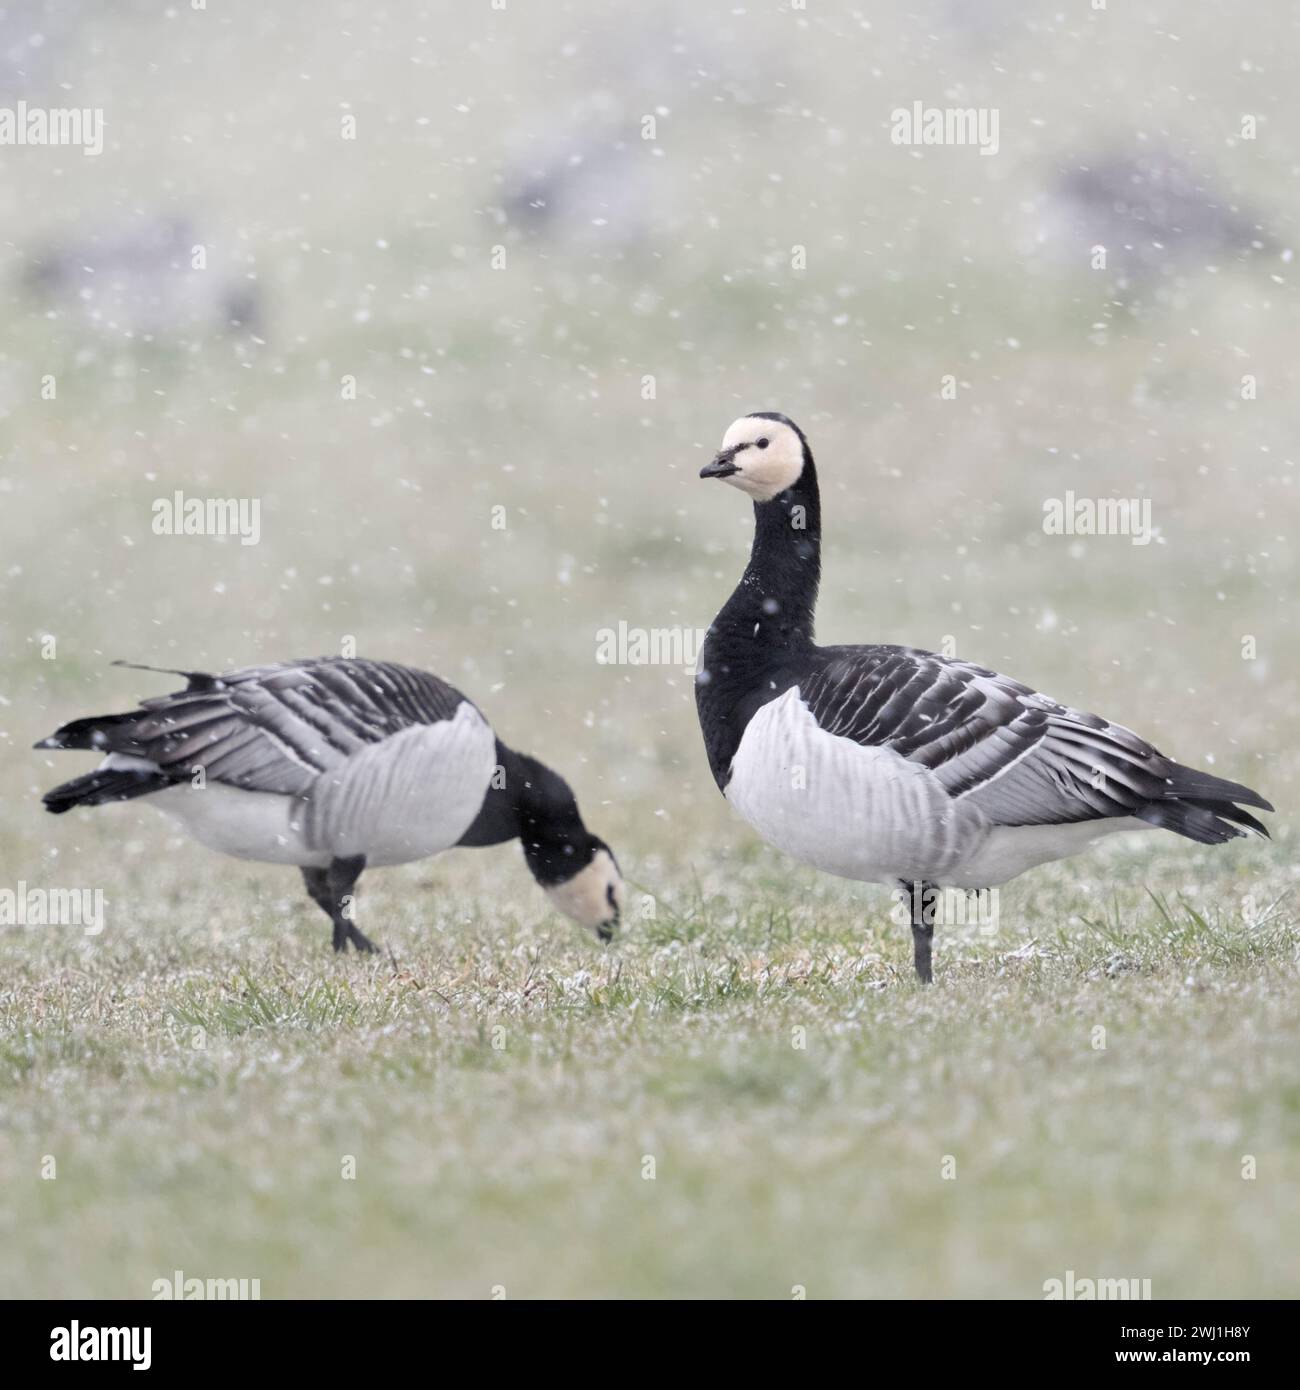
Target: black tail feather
1225,810
1200,806
92,733
99,732
104,784
1189,819
196,680
1190,785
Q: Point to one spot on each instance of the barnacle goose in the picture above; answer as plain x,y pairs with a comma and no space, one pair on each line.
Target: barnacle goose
336,765
894,764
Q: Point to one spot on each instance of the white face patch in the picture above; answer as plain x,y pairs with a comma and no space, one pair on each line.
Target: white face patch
586,896
763,469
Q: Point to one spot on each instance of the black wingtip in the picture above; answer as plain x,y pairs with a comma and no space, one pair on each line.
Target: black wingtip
1190,784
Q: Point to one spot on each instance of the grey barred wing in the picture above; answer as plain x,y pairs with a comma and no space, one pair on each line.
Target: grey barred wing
272,728
1019,757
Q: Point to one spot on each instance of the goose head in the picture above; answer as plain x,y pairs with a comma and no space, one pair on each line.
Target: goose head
574,868
594,895
763,454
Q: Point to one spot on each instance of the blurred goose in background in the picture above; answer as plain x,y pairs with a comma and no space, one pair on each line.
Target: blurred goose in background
336,765
894,764
594,181
1153,213
141,283
594,190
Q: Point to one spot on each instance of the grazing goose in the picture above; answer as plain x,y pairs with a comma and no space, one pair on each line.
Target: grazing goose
335,765
894,764
139,282
1153,213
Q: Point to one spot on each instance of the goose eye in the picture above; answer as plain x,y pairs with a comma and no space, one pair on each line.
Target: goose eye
763,443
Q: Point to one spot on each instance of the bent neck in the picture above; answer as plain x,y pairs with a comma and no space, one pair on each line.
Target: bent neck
772,609
526,800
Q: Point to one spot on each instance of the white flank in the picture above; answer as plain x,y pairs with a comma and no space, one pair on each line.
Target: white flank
406,798
1011,849
248,825
871,814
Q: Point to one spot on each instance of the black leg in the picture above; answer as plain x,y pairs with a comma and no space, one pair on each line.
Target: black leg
329,888
343,875
924,897
317,887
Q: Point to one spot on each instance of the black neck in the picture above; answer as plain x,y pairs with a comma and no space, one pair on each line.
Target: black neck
527,801
766,626
770,614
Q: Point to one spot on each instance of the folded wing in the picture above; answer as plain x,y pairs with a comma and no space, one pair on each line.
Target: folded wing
269,728
1019,757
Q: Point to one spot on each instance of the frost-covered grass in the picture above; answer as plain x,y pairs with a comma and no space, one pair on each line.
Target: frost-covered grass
499,1089
200,1072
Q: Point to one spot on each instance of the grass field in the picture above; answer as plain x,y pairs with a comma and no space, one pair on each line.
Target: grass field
747,1094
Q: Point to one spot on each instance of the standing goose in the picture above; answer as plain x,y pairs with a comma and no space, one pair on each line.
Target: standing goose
893,764
336,765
